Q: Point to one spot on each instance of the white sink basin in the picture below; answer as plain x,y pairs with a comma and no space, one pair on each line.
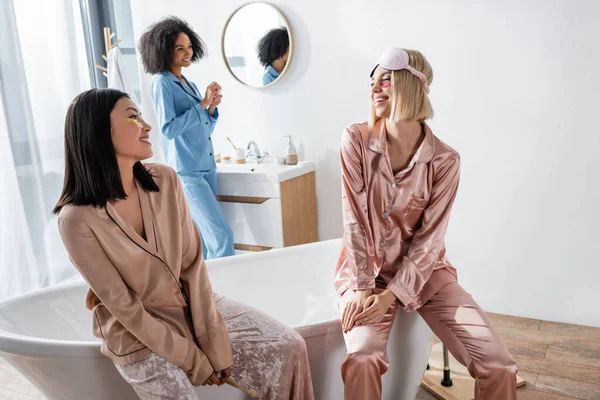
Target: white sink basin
247,168
267,171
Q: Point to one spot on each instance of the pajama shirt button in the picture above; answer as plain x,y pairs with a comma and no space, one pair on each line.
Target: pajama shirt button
393,185
385,215
382,243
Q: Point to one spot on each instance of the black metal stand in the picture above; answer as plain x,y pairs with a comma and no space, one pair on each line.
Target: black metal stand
446,380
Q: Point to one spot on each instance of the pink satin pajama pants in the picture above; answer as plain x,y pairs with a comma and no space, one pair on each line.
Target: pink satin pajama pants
458,322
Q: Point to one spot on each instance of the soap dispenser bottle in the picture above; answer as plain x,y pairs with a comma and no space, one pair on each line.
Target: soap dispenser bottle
291,155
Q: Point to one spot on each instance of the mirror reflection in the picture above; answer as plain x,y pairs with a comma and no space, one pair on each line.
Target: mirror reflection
257,44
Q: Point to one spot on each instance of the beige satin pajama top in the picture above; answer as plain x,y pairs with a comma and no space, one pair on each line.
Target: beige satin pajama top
149,296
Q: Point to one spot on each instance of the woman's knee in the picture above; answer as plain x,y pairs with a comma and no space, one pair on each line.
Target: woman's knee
497,361
364,358
363,363
294,345
369,353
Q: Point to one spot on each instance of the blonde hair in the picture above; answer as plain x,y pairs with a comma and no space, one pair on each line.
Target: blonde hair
410,101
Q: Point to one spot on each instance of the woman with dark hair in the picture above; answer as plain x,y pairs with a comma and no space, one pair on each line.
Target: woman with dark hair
187,120
273,52
129,232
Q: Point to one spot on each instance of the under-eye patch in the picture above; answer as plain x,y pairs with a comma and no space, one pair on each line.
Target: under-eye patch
134,122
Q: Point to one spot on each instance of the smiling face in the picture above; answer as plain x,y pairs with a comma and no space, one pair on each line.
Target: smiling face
183,52
130,133
382,92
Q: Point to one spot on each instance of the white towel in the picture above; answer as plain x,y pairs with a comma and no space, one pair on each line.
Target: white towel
117,75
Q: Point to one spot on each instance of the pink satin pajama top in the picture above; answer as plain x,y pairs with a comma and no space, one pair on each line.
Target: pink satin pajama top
394,225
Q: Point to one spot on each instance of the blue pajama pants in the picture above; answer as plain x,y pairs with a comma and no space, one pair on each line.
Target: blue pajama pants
200,190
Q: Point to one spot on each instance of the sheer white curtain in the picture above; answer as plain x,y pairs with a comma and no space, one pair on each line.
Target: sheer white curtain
43,66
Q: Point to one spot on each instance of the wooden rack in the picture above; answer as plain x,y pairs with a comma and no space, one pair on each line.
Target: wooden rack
108,46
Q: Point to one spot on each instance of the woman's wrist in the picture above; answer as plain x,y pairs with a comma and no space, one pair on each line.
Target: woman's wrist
204,105
388,295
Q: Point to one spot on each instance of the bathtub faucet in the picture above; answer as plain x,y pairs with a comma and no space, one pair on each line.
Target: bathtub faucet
254,153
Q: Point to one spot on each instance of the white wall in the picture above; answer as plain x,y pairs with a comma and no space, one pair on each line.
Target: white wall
515,92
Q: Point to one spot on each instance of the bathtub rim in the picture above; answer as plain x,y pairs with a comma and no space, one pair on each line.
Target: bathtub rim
16,343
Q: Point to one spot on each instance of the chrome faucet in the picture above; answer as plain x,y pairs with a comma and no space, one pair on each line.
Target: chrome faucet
254,152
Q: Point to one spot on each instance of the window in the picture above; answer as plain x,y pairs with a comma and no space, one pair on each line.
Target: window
43,66
116,15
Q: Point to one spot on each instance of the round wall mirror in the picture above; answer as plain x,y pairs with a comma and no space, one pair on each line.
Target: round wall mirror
257,44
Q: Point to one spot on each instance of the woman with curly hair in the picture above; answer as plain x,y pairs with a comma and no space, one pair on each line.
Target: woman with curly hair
187,120
273,52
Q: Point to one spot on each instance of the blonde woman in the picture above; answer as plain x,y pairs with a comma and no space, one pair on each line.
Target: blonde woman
399,184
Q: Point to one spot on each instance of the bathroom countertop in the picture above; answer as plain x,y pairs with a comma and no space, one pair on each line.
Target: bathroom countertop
265,172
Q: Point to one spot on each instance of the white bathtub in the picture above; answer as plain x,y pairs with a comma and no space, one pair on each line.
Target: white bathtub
47,336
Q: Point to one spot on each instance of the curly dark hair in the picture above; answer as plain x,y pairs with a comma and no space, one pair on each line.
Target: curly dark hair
273,46
157,44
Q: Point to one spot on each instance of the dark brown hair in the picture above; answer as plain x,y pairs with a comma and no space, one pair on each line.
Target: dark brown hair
92,175
273,46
